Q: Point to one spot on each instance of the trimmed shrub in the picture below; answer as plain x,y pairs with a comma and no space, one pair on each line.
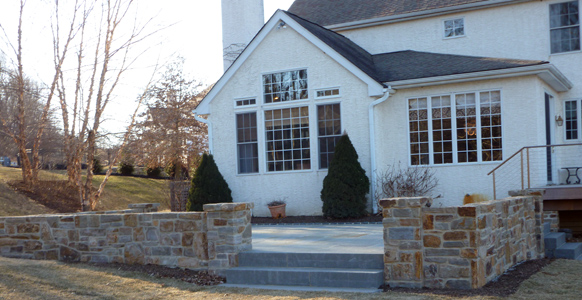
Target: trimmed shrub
346,184
153,172
125,168
97,167
208,185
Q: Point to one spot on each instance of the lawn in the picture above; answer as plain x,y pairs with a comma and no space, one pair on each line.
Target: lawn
119,192
30,279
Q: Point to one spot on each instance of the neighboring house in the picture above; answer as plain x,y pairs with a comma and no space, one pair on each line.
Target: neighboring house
459,86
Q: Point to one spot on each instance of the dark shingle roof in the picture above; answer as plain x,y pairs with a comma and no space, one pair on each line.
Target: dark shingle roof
403,65
342,45
329,12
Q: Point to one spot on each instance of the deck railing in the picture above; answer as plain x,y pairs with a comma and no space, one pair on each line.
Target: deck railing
527,158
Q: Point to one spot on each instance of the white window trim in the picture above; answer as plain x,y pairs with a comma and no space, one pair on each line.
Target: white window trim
325,89
549,31
245,106
578,114
454,129
455,36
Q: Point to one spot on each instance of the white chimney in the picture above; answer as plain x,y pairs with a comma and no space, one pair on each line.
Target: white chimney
241,20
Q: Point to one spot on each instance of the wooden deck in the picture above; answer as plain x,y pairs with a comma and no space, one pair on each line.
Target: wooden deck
567,200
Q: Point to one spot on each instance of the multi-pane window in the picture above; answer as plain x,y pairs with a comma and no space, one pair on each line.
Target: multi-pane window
285,86
490,105
467,135
287,139
442,134
245,102
454,28
326,93
564,27
571,122
329,132
248,154
418,118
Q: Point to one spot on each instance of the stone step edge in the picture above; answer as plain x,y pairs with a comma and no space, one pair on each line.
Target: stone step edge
318,224
306,269
300,288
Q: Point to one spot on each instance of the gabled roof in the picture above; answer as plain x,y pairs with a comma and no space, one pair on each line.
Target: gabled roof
331,12
404,65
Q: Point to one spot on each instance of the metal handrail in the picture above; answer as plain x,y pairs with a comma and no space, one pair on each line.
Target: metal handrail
527,159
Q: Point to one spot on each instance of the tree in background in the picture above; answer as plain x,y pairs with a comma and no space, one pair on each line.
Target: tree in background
169,136
346,184
208,185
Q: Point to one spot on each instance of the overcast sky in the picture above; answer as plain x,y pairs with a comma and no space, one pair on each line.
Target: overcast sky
196,35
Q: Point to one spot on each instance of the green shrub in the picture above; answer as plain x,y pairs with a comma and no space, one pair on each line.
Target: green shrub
346,184
208,185
153,172
125,168
97,167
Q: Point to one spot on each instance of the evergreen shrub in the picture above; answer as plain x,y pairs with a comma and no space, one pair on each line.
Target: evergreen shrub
153,172
97,167
208,185
125,168
346,184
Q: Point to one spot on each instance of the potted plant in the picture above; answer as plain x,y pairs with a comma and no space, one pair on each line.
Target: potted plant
277,208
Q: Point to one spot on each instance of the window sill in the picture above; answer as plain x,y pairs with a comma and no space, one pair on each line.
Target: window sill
566,53
468,164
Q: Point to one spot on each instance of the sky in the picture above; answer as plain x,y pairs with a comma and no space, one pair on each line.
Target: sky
191,29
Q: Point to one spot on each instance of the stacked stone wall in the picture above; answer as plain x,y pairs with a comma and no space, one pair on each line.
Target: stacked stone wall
191,240
459,247
552,217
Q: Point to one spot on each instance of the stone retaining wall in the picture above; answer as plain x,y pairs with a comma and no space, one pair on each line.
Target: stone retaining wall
552,217
194,240
459,247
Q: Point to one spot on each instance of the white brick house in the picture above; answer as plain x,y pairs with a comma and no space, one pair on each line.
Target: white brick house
455,85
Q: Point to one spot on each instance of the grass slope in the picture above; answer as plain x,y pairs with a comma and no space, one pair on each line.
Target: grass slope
30,279
119,192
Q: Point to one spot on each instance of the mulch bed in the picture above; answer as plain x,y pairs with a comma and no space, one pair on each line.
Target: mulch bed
506,285
59,195
201,278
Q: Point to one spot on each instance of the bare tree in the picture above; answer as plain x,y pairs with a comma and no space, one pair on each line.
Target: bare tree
168,134
396,181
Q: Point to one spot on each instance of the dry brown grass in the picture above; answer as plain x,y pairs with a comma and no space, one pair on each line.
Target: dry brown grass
29,279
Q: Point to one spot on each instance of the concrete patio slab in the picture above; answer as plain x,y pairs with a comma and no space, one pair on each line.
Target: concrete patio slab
356,238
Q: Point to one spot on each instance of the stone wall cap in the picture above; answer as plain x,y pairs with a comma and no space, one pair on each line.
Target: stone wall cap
228,206
527,192
405,202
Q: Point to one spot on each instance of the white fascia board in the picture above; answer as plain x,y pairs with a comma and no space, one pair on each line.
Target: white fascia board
421,14
547,72
374,88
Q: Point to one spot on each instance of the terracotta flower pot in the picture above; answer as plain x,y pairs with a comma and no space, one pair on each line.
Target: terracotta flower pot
278,211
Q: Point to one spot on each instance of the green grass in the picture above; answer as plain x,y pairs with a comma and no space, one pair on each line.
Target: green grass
119,192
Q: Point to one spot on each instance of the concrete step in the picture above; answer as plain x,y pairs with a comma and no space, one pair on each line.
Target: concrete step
579,257
306,277
553,241
547,228
302,288
311,260
569,251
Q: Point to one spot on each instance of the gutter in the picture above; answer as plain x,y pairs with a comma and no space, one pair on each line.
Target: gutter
209,125
387,93
421,14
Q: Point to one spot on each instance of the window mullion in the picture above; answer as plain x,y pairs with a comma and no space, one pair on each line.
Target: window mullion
454,127
478,125
430,131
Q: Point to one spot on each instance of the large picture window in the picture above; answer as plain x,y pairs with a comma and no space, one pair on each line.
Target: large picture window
572,108
248,154
329,132
285,86
564,27
287,138
437,136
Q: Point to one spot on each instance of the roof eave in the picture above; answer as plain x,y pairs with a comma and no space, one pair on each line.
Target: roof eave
420,14
547,72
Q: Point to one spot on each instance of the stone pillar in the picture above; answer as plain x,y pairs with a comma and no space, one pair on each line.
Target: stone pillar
403,246
540,216
229,233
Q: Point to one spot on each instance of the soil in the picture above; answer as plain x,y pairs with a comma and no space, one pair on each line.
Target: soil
59,195
504,286
315,220
201,278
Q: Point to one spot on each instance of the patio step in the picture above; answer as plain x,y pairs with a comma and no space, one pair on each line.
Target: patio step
308,270
554,241
569,251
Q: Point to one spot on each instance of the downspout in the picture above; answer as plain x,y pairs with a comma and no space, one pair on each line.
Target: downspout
209,125
387,93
